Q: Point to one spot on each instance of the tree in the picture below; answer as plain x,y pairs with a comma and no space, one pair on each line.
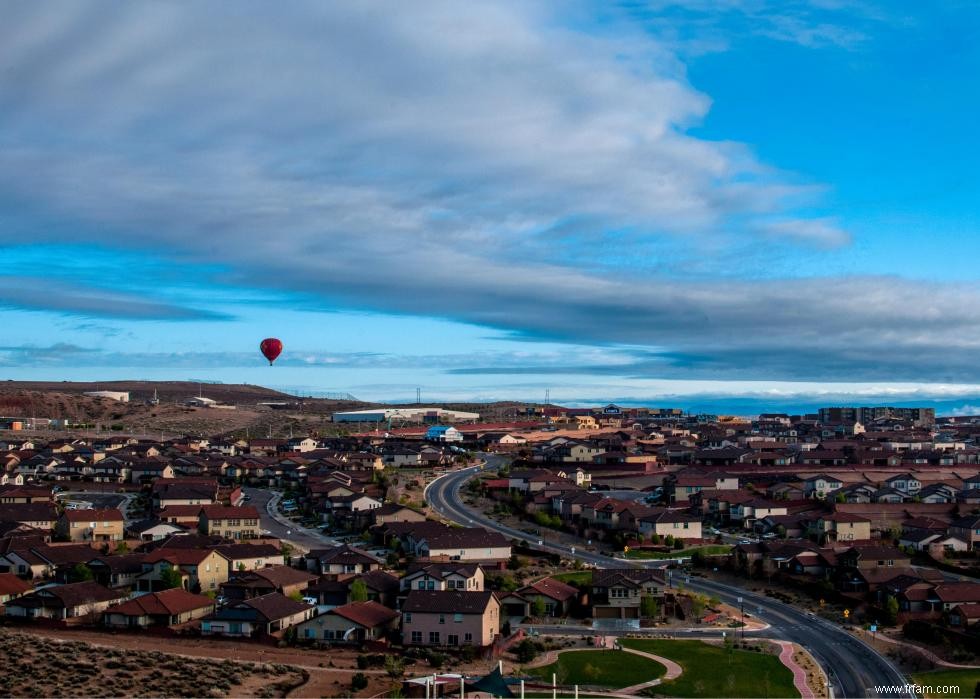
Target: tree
538,607
669,540
286,549
891,610
649,608
697,606
81,573
358,591
170,578
122,547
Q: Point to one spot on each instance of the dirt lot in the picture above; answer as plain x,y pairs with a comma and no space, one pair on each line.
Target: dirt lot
52,667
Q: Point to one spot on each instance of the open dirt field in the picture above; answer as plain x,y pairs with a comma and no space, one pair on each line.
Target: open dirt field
57,667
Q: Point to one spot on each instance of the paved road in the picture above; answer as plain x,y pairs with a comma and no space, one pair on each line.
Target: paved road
853,667
281,527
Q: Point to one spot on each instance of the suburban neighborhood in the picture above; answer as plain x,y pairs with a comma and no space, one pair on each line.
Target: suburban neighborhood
582,529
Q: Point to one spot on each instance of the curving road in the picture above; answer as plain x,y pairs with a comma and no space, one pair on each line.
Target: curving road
854,668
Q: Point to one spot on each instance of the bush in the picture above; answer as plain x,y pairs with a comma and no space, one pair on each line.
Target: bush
358,681
527,650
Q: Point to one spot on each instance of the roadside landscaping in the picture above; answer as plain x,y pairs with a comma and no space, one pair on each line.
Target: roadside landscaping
715,671
968,682
712,550
600,668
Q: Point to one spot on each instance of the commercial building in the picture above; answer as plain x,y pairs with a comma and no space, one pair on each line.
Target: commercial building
402,415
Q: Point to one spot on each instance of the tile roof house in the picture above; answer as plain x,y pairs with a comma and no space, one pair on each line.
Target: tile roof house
259,616
352,623
12,586
75,601
255,583
166,608
450,618
340,560
91,525
443,576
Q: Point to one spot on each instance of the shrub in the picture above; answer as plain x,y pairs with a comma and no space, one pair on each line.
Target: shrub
358,681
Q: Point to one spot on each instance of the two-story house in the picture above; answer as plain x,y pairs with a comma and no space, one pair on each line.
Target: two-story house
91,525
450,618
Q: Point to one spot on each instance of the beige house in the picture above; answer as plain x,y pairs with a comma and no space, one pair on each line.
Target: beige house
201,570
450,618
844,526
167,608
243,557
618,593
229,522
91,525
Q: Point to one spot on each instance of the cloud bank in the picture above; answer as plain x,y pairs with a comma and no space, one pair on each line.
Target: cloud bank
500,164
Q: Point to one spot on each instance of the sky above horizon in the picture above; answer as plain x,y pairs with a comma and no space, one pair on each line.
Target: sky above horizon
745,203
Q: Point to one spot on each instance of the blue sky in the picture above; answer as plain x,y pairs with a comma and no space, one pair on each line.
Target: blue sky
712,204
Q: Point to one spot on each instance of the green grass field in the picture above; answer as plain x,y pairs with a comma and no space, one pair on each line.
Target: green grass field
681,553
711,671
600,668
966,680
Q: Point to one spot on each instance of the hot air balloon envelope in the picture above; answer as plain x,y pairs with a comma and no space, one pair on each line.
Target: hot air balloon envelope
271,348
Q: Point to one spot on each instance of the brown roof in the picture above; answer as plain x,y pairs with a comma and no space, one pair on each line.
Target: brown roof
367,614
225,512
75,594
274,606
959,592
180,557
284,575
10,584
447,601
549,587
107,515
169,602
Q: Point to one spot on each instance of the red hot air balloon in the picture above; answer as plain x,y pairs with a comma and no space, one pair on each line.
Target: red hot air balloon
271,347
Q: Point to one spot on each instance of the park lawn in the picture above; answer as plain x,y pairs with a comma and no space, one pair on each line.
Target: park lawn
581,577
600,668
966,680
709,670
712,550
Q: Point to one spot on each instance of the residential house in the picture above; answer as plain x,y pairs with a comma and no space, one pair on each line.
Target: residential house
201,570
121,570
450,618
11,587
617,592
968,529
242,557
842,526
465,544
256,583
153,530
340,560
965,616
675,523
80,601
555,597
91,525
819,486
396,513
352,623
443,576
259,616
905,483
40,515
167,608
229,522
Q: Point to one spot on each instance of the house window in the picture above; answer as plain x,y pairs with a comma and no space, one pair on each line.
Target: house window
468,638
458,618
442,618
408,617
617,592
452,640
434,637
421,585
431,585
417,636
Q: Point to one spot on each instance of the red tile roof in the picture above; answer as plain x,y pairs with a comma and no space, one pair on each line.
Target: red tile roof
169,602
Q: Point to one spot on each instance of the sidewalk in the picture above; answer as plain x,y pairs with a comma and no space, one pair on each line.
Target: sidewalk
786,652
871,638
